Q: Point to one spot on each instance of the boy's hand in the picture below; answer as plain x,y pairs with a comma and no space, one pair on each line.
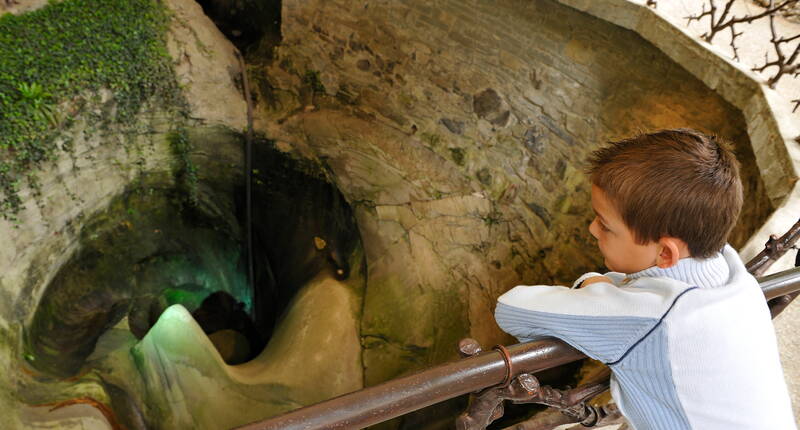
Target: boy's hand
595,279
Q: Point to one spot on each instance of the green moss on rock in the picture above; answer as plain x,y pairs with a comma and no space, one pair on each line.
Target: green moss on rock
54,58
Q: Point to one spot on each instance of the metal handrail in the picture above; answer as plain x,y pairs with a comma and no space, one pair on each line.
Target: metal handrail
781,283
409,393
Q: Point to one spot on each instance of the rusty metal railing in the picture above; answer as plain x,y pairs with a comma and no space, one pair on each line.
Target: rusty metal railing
400,396
406,394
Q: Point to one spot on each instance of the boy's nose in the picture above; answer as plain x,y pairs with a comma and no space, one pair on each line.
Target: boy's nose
593,228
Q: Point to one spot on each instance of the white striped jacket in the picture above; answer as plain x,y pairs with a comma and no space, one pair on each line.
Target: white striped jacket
690,347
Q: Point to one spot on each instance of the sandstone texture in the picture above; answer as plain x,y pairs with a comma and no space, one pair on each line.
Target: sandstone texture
460,143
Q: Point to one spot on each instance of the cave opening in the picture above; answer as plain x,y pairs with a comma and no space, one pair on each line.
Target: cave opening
151,249
248,24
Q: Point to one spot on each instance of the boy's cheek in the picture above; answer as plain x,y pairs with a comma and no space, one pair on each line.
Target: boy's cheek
607,259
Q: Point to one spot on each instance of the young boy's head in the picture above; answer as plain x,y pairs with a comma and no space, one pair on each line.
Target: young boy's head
663,196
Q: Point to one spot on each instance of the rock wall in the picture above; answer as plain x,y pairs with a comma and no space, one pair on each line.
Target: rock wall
458,131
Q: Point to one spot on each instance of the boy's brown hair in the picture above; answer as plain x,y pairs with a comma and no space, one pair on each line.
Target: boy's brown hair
679,183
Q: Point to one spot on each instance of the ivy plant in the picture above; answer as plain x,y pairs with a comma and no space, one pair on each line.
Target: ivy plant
56,56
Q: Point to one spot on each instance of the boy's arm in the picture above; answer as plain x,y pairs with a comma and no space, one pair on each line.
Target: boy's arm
601,320
590,278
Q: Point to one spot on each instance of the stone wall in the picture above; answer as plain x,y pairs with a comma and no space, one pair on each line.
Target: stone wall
458,131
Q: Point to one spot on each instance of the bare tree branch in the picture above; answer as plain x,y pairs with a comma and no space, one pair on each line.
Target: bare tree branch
734,35
723,21
769,11
789,12
789,39
710,13
786,65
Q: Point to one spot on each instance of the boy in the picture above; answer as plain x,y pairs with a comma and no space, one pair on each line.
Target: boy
682,325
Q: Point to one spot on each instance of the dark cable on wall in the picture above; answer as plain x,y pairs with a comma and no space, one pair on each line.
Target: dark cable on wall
248,174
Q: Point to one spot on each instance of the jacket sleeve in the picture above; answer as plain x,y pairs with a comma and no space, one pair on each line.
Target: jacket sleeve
601,320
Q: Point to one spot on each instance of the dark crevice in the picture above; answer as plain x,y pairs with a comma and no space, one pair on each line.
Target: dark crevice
302,226
247,23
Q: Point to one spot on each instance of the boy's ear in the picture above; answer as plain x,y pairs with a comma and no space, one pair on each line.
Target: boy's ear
669,251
